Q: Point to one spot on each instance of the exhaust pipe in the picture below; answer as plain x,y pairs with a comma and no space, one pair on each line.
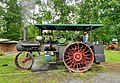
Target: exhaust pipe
25,33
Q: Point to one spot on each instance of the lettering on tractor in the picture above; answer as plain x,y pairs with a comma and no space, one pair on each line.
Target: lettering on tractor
76,56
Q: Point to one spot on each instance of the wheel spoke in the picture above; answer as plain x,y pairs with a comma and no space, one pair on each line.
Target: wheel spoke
68,58
68,62
87,51
74,64
78,47
68,53
71,65
81,48
86,55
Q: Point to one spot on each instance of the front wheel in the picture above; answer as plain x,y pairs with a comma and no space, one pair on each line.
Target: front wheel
24,60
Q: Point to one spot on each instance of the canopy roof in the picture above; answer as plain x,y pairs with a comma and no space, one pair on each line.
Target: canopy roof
68,26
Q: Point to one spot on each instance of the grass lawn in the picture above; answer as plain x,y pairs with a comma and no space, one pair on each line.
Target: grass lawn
112,56
10,74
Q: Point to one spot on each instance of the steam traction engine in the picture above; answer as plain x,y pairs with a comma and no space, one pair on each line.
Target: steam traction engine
77,56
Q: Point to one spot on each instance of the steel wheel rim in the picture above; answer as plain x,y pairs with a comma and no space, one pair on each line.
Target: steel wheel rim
78,57
24,60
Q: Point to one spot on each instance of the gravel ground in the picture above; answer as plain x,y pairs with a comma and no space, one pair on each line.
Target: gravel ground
111,75
98,78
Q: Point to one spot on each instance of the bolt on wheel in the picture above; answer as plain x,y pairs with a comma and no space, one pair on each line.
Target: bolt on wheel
24,60
78,57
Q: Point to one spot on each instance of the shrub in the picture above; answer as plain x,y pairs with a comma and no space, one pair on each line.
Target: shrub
1,53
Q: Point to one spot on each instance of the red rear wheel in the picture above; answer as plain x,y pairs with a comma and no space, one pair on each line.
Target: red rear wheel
78,57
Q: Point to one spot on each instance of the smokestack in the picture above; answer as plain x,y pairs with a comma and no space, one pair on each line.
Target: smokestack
25,33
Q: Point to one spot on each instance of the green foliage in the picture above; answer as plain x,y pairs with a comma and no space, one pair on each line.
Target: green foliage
68,36
2,21
100,11
117,32
106,12
1,53
87,11
62,40
32,32
12,20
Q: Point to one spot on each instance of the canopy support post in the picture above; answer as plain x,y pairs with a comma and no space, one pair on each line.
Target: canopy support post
90,33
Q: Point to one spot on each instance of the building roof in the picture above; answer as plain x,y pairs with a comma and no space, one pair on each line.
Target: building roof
7,41
3,40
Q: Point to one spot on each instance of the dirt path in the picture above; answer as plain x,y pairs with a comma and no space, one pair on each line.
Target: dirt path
11,53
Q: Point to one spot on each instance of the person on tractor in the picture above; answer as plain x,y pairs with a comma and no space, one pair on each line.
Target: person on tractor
85,37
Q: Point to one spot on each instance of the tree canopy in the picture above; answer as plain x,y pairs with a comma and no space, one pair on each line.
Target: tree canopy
105,12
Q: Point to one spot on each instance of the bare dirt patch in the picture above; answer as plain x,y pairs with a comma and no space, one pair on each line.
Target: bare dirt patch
112,66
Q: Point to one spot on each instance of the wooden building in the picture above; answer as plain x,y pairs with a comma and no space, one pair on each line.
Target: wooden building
7,45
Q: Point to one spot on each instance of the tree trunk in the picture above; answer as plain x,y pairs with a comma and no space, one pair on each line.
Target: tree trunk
119,42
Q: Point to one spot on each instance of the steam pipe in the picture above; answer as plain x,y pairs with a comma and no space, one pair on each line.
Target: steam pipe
25,33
